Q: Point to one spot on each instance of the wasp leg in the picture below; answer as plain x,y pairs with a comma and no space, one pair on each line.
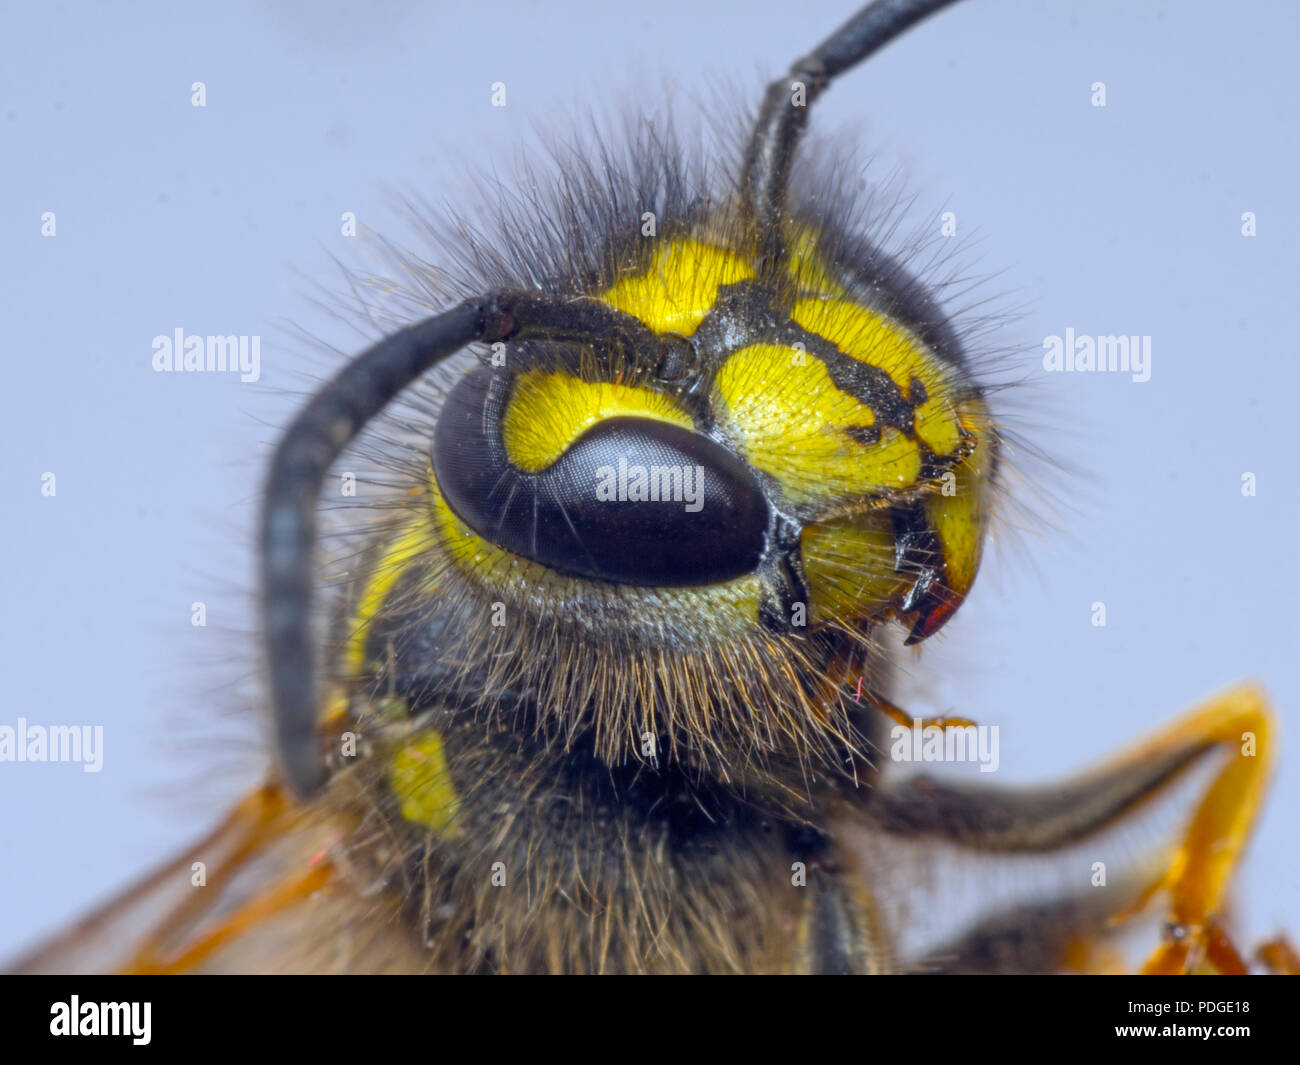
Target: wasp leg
1279,957
1049,937
1046,818
840,932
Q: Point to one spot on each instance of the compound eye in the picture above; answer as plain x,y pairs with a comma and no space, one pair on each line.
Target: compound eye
632,500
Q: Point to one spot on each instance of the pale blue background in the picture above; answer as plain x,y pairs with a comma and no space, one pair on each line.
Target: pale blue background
225,219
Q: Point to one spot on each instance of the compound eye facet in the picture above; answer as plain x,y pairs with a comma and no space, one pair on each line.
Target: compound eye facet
632,500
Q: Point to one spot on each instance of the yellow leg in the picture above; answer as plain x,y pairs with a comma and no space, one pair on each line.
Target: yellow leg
1279,956
1236,726
1240,721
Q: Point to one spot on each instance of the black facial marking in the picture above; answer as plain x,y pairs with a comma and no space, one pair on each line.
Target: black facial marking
865,435
869,385
677,358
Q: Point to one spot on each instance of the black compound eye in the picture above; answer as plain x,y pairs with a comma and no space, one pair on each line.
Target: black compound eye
632,500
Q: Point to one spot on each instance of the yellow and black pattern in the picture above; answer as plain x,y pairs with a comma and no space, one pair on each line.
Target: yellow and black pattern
846,465
606,637
791,415
670,462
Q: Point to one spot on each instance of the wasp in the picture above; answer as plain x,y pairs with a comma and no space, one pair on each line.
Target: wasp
607,686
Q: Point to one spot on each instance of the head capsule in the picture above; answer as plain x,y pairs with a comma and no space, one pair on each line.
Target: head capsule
833,453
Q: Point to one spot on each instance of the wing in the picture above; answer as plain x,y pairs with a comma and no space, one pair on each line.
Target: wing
266,891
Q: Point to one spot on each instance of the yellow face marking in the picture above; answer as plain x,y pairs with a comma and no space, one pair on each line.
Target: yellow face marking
792,422
849,563
957,511
733,605
419,777
414,540
547,412
875,340
805,265
675,294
